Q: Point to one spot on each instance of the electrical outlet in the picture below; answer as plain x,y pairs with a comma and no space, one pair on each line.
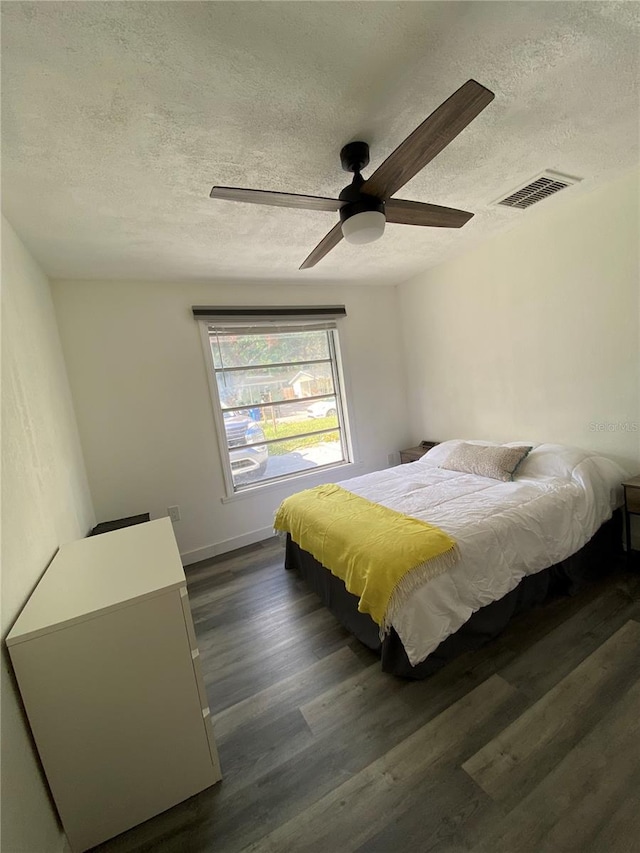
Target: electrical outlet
174,513
393,459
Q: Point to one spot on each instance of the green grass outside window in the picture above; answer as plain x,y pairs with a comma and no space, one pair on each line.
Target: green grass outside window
295,428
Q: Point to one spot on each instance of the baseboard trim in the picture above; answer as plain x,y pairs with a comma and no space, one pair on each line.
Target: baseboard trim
189,557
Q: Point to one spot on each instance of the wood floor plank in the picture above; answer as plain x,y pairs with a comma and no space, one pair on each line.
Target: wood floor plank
575,801
349,699
515,761
443,812
244,600
261,746
290,692
620,832
538,668
245,560
245,563
252,740
355,810
235,684
275,621
262,635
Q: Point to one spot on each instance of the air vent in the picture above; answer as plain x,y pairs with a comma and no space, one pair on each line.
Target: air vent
541,187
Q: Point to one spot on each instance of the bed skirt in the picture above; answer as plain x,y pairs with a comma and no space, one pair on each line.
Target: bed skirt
599,556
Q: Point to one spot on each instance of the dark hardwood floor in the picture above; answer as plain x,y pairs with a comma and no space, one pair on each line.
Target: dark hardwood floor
530,744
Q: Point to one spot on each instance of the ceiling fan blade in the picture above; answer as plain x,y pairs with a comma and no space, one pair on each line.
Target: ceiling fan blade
324,247
417,213
428,139
302,202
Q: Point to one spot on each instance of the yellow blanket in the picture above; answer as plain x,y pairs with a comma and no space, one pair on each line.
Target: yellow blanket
381,555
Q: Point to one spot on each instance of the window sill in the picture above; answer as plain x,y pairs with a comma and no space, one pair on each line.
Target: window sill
347,469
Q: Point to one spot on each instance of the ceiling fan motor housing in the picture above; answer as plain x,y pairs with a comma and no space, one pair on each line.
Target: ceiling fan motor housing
355,156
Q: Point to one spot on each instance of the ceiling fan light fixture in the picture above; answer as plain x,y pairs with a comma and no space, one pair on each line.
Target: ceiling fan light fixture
364,227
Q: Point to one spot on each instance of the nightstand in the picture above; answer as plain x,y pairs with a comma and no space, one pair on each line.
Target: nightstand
631,505
412,454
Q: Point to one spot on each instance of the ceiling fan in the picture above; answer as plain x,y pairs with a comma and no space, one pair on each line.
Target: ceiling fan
365,205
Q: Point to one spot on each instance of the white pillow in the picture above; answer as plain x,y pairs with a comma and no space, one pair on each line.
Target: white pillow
553,460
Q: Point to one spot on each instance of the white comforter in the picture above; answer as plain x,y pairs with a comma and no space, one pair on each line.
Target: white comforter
560,496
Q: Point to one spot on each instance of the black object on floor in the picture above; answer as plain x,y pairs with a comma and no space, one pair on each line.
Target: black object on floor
106,526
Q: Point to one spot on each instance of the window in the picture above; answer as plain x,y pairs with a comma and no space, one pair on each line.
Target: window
278,399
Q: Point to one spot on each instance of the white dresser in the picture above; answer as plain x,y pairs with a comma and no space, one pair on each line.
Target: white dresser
106,660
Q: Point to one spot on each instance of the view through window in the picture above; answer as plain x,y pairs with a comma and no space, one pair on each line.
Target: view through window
280,396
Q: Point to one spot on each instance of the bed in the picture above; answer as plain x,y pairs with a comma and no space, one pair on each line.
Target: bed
552,526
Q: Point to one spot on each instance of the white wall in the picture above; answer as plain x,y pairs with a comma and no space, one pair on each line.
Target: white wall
45,502
534,334
137,373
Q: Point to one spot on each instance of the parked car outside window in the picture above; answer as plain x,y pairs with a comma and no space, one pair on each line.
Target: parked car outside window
247,452
322,409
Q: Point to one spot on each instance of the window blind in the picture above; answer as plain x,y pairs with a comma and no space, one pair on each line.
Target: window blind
223,315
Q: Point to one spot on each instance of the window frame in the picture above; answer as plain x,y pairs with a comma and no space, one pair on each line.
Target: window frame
336,361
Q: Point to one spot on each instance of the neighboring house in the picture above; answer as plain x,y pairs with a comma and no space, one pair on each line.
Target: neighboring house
309,385
303,384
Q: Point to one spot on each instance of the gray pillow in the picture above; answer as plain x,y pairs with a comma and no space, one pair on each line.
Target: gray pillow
499,463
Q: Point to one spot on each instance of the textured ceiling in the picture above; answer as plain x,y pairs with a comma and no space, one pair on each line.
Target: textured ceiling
118,117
